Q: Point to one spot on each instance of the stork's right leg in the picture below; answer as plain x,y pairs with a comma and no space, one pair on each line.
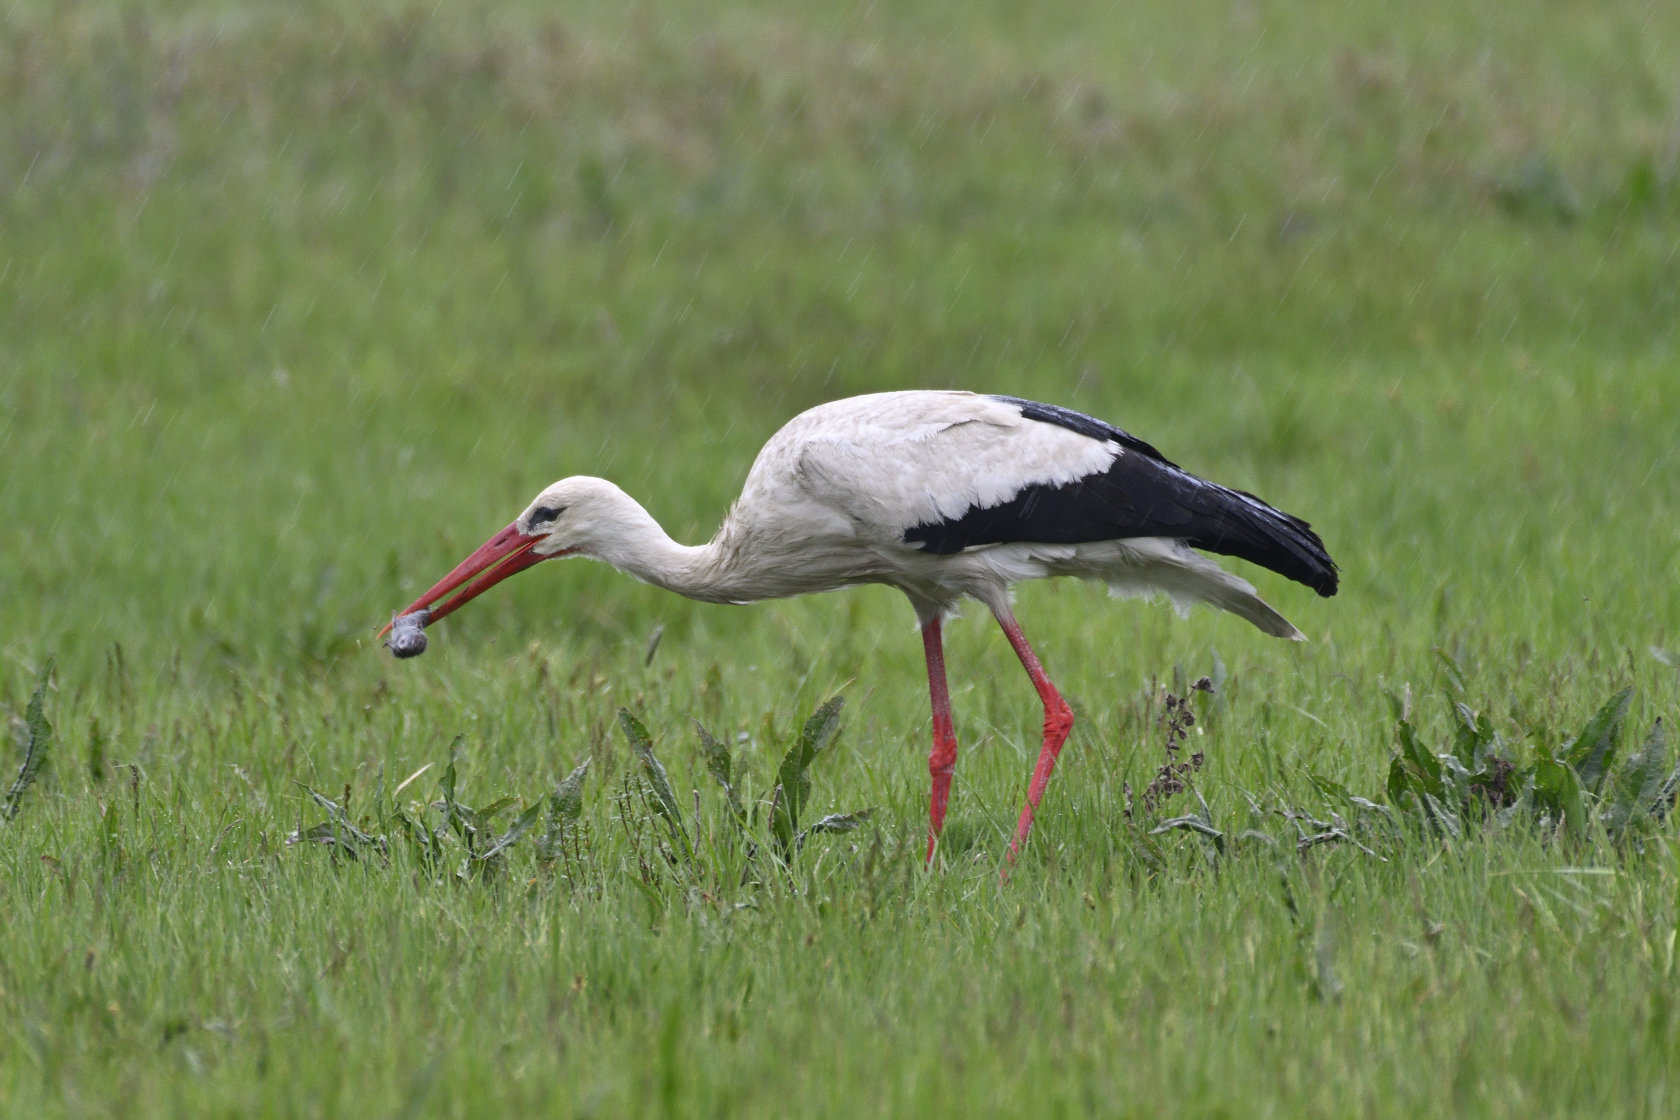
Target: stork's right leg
1058,723
943,759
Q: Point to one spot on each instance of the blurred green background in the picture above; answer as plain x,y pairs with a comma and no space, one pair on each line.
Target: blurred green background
301,301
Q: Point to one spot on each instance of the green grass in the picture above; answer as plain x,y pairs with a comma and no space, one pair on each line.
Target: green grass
299,305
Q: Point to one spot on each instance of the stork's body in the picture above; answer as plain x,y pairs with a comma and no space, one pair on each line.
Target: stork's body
946,496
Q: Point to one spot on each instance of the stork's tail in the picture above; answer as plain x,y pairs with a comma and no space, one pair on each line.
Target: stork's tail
1154,565
1247,528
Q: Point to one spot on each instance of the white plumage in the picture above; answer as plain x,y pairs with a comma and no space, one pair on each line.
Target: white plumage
944,495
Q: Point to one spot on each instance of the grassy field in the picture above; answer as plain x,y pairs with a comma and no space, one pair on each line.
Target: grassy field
298,304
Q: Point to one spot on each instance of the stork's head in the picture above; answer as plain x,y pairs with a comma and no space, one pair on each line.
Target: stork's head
572,517
575,515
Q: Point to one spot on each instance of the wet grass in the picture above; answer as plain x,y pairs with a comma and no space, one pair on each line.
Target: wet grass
296,307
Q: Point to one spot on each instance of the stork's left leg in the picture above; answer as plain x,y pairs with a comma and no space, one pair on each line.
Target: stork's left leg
943,758
1058,722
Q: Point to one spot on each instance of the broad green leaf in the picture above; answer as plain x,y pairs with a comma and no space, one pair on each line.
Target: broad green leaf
716,755
839,822
1424,767
718,765
1473,735
1452,672
1456,780
1557,789
1334,790
565,806
834,822
1592,751
793,777
1400,703
469,818
566,802
337,828
447,782
1441,815
324,833
522,824
424,839
1399,785
665,801
495,809
1664,801
1523,804
1638,783
35,750
452,809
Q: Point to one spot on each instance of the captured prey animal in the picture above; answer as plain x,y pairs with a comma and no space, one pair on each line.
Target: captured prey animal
408,633
945,496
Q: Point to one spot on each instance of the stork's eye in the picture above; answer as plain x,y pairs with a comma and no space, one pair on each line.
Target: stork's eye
543,515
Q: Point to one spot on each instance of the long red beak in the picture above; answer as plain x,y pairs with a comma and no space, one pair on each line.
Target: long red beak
503,555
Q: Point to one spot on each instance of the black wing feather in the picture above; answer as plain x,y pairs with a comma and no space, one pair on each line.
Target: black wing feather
1142,494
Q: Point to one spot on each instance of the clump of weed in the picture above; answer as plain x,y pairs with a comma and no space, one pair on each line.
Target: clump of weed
778,823
1175,774
338,830
664,843
793,784
1574,787
473,829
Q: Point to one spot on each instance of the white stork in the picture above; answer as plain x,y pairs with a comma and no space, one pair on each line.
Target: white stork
943,495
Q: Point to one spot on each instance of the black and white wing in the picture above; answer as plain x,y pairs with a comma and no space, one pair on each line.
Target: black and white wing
1140,494
947,472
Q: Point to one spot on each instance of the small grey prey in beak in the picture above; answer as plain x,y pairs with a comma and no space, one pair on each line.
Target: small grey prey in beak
408,633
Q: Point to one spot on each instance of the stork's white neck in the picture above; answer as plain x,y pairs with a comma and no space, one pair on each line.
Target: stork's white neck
768,556
636,545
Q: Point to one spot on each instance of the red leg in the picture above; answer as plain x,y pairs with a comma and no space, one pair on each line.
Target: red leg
943,758
1058,722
